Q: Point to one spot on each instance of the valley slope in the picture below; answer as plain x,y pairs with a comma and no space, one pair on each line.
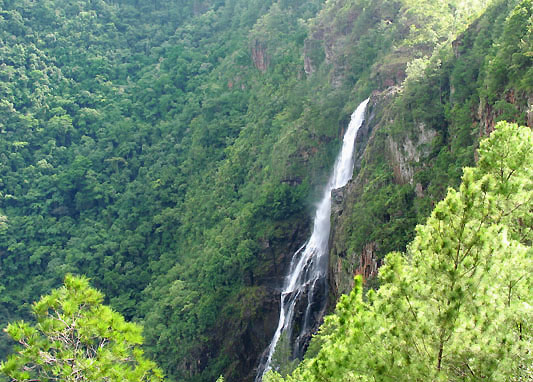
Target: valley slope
172,150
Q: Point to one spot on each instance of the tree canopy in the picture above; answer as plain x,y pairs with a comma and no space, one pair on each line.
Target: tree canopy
171,150
77,338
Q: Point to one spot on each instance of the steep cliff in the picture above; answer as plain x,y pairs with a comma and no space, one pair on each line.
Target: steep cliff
254,311
422,125
420,134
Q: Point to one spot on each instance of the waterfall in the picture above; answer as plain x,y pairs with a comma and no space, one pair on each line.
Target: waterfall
305,284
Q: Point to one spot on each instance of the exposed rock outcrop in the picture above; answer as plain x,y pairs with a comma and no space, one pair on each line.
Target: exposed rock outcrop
368,262
258,305
489,114
530,110
259,56
403,155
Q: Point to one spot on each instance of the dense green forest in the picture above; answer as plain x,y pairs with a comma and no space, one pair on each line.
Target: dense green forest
172,150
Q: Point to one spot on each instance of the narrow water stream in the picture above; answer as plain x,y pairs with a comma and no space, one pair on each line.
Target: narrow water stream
305,285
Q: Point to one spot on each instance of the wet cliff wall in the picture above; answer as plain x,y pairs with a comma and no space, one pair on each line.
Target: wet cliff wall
420,133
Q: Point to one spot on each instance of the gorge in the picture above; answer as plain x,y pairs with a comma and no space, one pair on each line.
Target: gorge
305,283
172,152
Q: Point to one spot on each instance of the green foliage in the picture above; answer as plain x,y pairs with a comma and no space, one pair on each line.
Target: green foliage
510,65
445,94
142,146
76,338
130,140
282,359
458,304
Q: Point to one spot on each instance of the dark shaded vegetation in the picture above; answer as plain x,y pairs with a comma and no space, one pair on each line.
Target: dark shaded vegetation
156,146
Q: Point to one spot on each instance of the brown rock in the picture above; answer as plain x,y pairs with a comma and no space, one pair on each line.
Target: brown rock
368,262
259,56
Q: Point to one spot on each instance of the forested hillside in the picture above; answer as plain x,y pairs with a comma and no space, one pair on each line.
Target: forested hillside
456,305
420,135
172,150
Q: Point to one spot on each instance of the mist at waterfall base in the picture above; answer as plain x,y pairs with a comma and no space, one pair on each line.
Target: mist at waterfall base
303,297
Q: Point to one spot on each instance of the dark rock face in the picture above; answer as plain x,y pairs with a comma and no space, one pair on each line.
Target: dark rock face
344,264
251,332
337,196
301,337
530,110
258,306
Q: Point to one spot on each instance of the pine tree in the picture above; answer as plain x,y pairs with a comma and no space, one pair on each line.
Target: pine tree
76,338
458,306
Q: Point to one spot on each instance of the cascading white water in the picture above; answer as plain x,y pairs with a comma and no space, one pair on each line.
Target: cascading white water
308,267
